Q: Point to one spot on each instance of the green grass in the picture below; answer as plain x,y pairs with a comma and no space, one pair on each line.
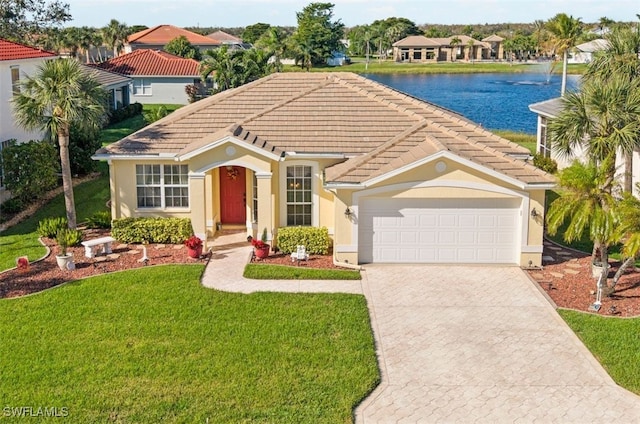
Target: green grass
22,239
614,342
280,272
523,139
459,67
122,129
153,345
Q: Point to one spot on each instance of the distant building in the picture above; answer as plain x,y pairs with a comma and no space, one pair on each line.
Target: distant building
158,37
583,53
421,49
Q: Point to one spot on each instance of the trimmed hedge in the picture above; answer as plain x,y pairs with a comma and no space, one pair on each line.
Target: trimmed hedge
118,115
152,230
315,240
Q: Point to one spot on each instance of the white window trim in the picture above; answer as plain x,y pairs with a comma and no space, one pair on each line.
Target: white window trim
316,181
139,87
163,203
15,85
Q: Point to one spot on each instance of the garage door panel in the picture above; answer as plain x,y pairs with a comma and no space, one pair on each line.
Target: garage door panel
439,231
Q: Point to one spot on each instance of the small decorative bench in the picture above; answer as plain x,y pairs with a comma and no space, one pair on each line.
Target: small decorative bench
91,246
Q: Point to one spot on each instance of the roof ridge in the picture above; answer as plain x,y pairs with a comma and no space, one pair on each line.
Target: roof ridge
356,161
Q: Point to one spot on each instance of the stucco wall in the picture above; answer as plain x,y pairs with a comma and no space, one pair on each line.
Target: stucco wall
164,90
8,128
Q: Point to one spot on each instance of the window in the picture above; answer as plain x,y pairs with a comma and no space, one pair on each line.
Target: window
545,149
15,80
142,87
255,198
299,195
160,186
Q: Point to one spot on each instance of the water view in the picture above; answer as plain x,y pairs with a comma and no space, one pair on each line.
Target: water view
497,101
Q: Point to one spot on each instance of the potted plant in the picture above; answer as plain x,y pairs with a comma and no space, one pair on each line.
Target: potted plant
260,247
194,246
64,259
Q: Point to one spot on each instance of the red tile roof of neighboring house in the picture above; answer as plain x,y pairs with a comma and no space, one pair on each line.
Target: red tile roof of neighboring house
162,34
151,63
224,37
14,51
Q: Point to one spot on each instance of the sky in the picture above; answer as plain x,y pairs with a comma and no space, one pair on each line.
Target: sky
240,13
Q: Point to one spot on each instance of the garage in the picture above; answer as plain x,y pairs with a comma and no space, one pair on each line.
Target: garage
470,231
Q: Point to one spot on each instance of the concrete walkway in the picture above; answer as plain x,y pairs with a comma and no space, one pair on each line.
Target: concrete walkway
460,344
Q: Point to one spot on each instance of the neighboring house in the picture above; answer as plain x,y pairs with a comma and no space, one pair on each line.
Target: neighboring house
393,178
583,53
549,109
159,36
418,48
496,46
157,77
229,40
116,86
16,61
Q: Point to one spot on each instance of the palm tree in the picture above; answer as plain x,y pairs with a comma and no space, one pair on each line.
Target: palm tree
61,94
115,35
470,45
274,40
628,232
565,31
226,64
455,41
539,26
586,201
620,59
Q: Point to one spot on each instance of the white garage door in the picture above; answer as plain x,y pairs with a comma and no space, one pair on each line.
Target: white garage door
438,230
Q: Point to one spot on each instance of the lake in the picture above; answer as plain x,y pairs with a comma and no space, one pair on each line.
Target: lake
497,101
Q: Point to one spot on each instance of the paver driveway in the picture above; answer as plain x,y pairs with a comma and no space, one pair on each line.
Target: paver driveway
480,344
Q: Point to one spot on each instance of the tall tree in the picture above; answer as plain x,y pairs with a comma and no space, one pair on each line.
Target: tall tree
317,34
180,46
454,43
620,59
58,95
28,19
115,36
252,33
274,41
565,31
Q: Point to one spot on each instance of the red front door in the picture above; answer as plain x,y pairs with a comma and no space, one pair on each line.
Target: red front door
233,196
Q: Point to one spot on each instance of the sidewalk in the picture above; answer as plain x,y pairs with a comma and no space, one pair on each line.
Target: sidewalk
230,254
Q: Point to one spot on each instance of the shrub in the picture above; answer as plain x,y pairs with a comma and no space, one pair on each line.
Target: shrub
30,169
83,143
151,230
122,113
545,163
49,227
315,240
11,206
100,219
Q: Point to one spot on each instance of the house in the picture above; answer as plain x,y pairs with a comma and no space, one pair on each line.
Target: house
229,40
418,48
16,61
116,86
392,178
550,109
159,36
583,53
157,77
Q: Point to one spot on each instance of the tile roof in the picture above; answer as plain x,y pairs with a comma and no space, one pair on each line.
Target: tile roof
106,78
162,34
550,108
15,51
223,37
493,38
422,41
145,62
378,129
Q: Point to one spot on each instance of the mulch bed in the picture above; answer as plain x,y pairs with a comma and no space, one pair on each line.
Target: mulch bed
569,283
567,280
46,273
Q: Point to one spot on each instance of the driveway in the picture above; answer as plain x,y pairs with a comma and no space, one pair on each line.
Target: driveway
479,344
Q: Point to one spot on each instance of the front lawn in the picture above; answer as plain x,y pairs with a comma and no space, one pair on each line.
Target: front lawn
153,345
281,272
614,342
